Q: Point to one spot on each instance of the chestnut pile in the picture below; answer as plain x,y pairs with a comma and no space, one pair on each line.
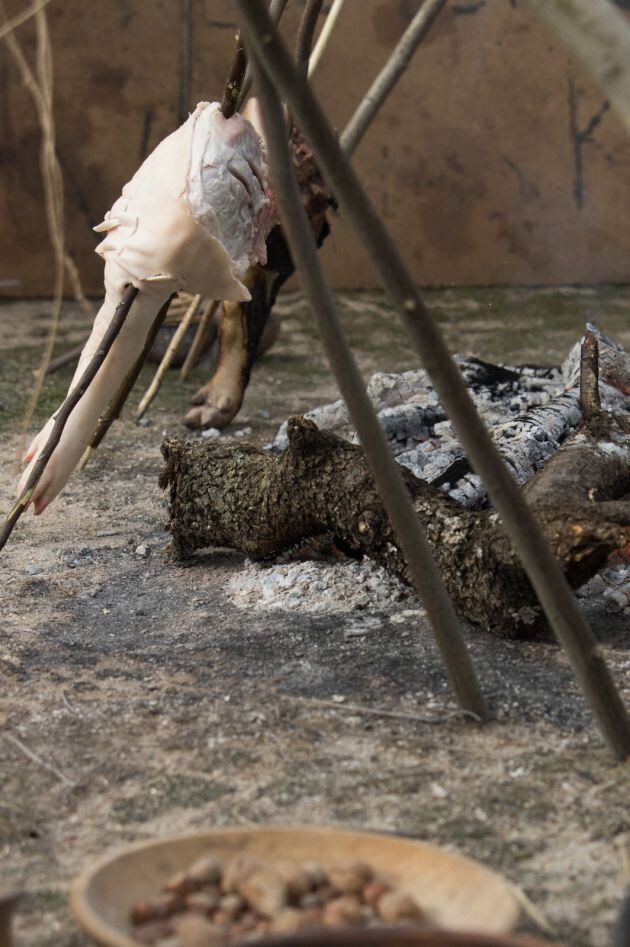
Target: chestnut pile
211,904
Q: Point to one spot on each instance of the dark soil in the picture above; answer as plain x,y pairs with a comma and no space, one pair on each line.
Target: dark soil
158,706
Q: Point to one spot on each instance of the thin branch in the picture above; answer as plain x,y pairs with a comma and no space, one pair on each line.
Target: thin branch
394,714
552,589
198,342
66,409
20,18
423,569
276,9
599,35
185,33
37,759
533,911
590,402
306,32
62,360
324,36
234,84
116,405
389,75
163,367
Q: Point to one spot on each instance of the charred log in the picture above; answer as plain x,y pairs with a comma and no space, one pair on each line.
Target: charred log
237,496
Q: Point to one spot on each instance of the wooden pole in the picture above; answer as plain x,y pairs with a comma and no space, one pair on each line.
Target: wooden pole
117,403
169,355
66,409
276,9
554,594
394,494
324,36
389,75
306,32
202,329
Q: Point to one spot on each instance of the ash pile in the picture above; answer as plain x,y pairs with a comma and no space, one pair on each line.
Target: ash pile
530,412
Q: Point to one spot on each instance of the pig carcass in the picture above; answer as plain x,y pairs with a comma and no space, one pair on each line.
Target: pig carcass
194,217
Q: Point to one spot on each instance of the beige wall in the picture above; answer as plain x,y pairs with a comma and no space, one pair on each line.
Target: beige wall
495,160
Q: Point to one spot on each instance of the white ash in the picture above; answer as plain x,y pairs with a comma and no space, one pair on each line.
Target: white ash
529,410
613,586
317,587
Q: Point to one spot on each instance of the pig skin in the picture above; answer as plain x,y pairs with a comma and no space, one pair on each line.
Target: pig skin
194,217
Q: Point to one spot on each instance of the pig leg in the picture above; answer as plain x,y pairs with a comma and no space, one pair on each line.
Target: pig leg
83,420
245,330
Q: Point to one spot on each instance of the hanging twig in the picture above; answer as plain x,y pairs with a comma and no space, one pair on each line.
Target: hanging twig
198,342
276,9
590,402
174,344
554,594
599,35
389,75
234,84
66,409
117,403
387,475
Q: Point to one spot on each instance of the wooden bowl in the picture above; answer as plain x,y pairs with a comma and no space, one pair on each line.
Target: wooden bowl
400,937
457,892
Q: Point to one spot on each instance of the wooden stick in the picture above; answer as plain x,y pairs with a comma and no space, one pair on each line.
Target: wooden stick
387,475
116,405
234,84
554,594
169,355
276,9
599,35
66,409
22,17
193,353
394,714
185,31
306,32
389,75
62,360
324,36
37,759
590,402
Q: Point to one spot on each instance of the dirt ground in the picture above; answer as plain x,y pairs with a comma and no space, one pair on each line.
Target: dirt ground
154,705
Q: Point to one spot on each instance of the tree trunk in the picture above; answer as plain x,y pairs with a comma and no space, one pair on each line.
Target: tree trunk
237,496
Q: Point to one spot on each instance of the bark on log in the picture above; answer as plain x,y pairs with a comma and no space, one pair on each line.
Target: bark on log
237,496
